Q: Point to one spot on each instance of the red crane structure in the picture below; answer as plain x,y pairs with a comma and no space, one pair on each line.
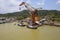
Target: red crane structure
34,14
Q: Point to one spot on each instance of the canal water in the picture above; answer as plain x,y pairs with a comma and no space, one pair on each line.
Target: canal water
10,31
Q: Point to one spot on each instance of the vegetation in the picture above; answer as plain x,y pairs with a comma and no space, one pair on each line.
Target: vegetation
53,14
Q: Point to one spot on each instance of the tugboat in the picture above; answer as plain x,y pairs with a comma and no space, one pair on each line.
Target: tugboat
21,24
2,21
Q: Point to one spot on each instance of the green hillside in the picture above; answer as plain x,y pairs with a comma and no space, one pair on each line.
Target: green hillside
53,14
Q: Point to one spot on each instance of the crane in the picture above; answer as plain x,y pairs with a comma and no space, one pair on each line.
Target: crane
33,12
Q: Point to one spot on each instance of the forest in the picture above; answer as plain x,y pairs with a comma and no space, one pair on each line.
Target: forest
53,14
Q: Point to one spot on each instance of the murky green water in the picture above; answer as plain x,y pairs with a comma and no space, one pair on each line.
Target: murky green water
9,31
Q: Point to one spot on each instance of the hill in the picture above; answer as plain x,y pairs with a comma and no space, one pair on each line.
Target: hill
53,14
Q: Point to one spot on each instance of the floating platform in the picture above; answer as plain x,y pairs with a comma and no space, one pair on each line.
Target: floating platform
21,25
32,27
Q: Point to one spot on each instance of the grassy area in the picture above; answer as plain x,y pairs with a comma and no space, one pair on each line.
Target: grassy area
10,31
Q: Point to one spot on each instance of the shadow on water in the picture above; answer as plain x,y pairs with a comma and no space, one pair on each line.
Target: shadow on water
34,34
55,25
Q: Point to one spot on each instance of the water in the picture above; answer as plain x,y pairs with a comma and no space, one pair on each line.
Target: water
9,31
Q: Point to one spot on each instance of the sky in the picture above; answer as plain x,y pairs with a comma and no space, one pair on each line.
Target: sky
8,6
